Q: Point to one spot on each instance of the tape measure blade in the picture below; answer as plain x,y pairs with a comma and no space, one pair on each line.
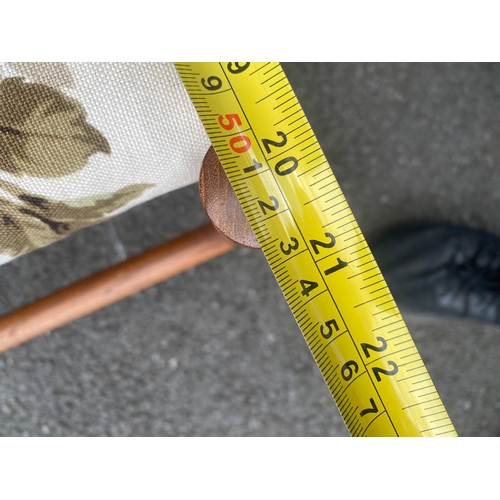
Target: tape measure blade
315,248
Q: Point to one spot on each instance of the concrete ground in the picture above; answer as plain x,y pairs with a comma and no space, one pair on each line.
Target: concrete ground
215,351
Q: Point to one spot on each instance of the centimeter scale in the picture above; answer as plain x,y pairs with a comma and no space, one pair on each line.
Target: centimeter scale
316,250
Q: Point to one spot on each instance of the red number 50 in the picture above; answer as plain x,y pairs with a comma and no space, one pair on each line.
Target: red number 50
239,143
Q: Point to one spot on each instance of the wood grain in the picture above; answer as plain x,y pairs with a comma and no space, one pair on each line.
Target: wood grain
112,285
221,203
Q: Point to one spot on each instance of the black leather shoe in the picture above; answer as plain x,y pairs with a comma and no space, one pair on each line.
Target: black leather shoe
442,270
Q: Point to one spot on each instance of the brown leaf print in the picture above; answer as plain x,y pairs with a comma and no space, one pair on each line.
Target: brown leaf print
43,132
34,221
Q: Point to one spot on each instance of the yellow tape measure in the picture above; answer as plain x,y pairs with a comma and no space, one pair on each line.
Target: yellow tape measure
316,250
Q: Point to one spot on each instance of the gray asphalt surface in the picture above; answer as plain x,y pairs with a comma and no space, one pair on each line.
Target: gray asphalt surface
215,351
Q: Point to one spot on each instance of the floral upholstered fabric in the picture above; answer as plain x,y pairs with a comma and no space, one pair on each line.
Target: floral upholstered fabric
81,142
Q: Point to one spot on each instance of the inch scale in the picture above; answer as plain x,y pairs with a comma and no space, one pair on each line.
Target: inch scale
315,249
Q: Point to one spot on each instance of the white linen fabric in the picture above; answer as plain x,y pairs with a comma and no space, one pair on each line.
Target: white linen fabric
81,142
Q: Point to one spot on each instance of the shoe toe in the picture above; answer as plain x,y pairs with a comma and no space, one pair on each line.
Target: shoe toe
429,268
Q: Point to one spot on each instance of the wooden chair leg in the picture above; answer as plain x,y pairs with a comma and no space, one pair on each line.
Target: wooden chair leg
112,285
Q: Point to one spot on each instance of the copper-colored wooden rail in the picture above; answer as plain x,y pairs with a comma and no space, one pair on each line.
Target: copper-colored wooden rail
112,285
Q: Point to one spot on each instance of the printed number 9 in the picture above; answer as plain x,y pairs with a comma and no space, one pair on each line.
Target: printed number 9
213,83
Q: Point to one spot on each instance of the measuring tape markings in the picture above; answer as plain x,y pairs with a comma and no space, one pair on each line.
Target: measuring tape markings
315,248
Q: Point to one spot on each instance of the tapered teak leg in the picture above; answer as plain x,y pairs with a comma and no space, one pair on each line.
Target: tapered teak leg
112,285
